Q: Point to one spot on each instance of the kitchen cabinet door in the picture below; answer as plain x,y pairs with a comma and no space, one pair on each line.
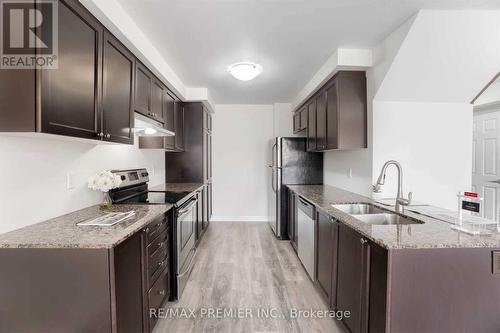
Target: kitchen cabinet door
199,215
332,116
157,94
352,278
206,156
70,95
117,95
311,125
210,202
296,122
143,81
303,118
321,120
378,289
291,218
179,126
170,123
206,212
127,266
326,256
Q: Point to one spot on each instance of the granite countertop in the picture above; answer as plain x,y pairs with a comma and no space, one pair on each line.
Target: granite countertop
177,187
62,231
431,234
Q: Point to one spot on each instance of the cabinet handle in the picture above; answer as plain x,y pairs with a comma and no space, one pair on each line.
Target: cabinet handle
101,135
159,224
108,136
363,241
160,244
161,263
161,292
147,230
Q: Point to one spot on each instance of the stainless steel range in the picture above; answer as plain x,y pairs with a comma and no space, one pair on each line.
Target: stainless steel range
134,190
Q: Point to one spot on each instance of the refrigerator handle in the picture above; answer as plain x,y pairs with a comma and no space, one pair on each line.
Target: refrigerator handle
273,155
273,180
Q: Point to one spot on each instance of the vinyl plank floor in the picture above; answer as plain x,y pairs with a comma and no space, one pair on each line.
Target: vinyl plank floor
245,280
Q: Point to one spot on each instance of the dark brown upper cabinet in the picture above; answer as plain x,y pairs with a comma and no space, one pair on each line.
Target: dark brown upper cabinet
179,126
337,114
118,91
149,94
320,120
143,81
89,95
332,118
70,95
174,121
300,120
169,107
157,106
311,125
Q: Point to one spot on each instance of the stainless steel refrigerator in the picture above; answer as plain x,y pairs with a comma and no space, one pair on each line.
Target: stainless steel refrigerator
289,164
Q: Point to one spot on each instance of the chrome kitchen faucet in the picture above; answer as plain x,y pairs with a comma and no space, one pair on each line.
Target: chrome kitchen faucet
400,199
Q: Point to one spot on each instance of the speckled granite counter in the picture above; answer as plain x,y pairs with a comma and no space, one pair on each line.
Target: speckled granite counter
431,234
177,187
62,231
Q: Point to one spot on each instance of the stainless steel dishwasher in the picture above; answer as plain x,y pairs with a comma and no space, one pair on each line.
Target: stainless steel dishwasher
306,235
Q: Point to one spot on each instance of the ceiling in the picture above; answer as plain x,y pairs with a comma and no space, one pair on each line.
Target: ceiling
291,39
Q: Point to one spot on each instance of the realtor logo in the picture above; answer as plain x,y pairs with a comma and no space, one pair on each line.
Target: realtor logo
28,35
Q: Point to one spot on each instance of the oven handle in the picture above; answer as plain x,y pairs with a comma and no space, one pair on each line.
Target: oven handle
186,207
190,263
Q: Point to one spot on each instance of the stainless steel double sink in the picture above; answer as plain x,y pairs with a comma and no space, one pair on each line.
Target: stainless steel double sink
374,215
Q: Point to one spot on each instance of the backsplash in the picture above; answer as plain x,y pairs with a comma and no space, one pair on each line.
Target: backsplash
35,171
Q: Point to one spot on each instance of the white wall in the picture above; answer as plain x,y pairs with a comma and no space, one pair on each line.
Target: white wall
241,134
283,126
433,143
34,171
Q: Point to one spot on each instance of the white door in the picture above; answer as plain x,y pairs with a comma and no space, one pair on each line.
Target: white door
486,159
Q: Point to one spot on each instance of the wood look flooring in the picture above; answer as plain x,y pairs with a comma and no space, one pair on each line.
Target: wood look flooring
243,266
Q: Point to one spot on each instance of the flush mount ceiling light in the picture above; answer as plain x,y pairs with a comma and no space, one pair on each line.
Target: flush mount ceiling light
245,71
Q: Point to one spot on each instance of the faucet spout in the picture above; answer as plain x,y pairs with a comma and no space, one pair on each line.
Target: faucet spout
400,199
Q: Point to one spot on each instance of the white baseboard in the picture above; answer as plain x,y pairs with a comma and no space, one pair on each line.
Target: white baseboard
239,218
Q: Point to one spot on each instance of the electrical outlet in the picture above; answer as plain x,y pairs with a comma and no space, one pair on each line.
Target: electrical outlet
349,173
70,181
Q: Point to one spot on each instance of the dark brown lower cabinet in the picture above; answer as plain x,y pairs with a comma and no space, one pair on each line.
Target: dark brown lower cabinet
291,226
82,289
352,278
326,257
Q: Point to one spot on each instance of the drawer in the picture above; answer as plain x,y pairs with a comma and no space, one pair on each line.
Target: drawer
156,228
157,263
161,241
159,292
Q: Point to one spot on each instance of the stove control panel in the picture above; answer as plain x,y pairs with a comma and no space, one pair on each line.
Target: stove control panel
132,177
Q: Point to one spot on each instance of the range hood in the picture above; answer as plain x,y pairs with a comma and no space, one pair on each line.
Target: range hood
147,127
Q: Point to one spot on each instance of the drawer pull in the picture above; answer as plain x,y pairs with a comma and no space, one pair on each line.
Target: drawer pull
159,224
160,244
363,241
161,263
161,292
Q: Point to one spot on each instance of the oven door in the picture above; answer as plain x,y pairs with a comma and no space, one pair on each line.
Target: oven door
185,222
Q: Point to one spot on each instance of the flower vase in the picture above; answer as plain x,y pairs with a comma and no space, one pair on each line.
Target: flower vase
106,201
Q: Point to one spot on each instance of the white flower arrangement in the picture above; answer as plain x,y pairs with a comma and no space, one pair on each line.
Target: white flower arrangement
104,181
